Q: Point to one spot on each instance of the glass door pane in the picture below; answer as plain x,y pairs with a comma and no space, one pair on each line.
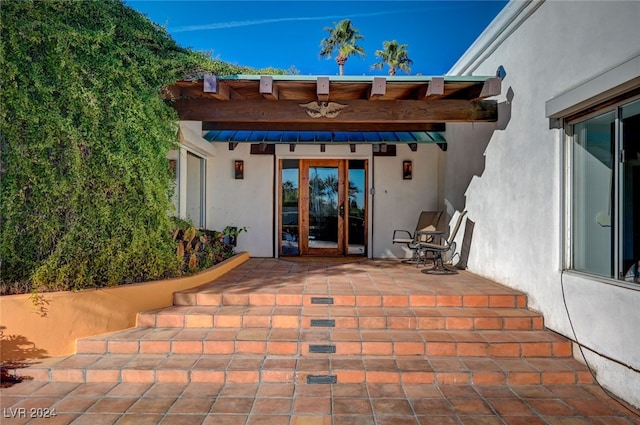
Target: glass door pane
324,207
593,200
630,220
290,233
357,196
195,198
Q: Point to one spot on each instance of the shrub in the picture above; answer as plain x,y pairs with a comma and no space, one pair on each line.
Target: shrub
84,141
84,136
199,249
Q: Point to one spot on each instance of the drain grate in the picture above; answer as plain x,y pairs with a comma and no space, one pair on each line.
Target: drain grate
326,323
322,379
322,348
321,300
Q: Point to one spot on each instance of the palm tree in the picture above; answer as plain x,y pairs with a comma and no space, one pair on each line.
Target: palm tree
395,55
342,38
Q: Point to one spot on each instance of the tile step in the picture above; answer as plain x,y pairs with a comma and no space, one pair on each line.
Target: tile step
382,342
451,318
279,369
222,296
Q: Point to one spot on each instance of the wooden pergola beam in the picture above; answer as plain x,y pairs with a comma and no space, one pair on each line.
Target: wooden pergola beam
327,89
353,112
319,126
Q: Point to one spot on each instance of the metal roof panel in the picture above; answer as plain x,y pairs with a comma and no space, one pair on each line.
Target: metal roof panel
324,136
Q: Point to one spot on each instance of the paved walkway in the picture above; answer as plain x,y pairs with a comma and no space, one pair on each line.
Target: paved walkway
303,404
496,389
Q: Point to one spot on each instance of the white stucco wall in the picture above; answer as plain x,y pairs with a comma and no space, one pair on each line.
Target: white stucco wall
251,202
397,202
244,203
512,189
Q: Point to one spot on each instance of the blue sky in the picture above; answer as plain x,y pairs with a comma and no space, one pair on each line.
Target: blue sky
288,33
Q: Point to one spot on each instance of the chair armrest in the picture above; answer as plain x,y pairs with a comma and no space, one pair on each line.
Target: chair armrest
430,232
430,246
423,236
402,232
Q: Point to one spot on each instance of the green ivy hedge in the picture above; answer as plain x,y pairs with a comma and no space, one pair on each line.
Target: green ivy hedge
84,136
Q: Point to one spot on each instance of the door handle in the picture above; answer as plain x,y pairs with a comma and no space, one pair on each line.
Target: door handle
342,210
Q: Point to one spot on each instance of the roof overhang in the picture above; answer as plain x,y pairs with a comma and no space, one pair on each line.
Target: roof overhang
260,136
334,104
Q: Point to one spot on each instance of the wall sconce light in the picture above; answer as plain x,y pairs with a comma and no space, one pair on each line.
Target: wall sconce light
407,170
238,168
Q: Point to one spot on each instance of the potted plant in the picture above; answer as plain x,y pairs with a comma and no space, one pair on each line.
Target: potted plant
230,234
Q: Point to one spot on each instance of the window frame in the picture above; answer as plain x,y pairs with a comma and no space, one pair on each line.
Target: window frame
614,105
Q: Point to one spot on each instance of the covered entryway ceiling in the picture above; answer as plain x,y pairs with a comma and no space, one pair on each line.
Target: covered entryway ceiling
326,104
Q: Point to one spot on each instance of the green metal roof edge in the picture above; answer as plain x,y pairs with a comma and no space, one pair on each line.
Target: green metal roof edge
359,78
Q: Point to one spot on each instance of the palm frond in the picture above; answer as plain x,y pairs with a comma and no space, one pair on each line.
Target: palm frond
395,56
342,39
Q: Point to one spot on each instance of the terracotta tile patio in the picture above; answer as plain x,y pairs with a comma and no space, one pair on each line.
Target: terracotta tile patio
281,342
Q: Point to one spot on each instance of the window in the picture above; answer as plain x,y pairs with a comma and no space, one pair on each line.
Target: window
604,192
195,189
290,199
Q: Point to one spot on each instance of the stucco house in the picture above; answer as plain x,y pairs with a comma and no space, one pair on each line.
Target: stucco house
548,170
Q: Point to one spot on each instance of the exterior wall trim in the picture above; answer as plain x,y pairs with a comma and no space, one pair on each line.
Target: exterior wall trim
611,83
191,132
507,21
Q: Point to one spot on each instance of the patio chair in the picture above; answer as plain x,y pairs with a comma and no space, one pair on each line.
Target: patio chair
428,220
439,246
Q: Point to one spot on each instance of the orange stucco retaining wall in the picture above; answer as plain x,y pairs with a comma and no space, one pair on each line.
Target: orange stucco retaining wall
52,327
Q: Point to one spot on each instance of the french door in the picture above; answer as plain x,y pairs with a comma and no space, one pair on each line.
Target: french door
323,207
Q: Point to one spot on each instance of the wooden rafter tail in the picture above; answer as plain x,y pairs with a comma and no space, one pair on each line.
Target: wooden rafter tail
268,89
322,89
491,87
378,88
436,88
219,89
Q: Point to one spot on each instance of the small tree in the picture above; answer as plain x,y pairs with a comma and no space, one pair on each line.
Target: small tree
395,56
342,38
